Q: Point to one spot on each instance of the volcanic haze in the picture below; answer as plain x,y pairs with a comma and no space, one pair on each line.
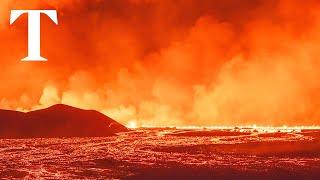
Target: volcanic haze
165,62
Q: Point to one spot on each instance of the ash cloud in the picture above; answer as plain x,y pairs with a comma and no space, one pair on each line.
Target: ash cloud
161,62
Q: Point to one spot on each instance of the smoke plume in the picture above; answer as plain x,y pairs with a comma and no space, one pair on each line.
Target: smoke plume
164,62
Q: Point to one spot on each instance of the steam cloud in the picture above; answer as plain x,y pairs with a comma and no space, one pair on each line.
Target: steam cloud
164,62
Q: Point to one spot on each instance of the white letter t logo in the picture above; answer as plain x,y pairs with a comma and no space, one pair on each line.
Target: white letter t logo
34,30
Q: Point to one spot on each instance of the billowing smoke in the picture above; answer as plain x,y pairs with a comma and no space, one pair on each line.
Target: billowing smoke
164,62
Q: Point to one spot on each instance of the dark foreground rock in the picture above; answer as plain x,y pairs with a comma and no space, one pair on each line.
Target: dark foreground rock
57,121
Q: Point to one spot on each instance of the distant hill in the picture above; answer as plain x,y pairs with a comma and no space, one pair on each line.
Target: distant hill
57,121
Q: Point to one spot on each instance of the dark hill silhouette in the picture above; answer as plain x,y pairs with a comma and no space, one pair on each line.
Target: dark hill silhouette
57,121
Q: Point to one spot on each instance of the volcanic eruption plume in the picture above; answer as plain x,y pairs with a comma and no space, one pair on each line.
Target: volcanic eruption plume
164,62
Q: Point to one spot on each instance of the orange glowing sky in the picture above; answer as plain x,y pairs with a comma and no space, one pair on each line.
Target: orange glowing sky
165,62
